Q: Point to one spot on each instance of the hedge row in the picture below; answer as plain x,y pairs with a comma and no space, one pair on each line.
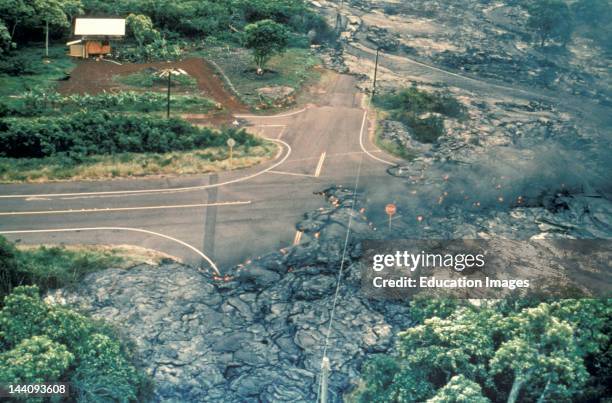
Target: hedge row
41,102
104,133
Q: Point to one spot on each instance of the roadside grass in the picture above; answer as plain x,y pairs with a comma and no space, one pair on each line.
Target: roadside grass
115,256
44,75
50,267
148,80
125,165
294,68
390,146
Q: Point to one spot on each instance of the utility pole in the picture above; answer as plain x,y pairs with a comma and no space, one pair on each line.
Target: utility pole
325,368
375,73
169,84
47,38
339,17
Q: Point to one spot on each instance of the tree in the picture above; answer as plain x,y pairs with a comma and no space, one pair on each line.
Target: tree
541,356
526,351
459,390
141,28
550,20
54,13
5,38
265,38
14,13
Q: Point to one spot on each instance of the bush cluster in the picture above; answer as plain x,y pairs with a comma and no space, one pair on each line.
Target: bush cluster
42,102
50,343
17,65
104,133
498,351
421,111
159,49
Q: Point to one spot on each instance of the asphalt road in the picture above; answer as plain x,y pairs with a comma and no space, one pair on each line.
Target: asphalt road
223,218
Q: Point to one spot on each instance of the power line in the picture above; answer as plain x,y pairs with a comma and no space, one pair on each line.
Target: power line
325,360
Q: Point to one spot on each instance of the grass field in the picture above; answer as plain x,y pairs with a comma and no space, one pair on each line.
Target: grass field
45,74
96,167
294,68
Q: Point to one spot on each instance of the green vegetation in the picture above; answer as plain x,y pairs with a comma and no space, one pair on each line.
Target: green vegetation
40,342
102,133
265,38
293,69
221,19
497,351
48,267
123,165
25,70
51,343
39,103
420,111
96,145
36,15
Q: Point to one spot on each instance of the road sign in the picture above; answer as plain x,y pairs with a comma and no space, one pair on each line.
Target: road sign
231,143
390,209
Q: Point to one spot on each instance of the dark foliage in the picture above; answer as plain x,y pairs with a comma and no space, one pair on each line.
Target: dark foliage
104,133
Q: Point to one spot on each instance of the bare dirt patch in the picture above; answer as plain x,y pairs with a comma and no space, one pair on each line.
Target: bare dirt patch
93,77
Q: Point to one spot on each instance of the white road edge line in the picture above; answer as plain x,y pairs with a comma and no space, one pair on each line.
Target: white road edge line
320,165
273,116
182,189
144,231
363,122
112,209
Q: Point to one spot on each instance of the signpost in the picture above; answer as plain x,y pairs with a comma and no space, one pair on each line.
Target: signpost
390,209
231,143
168,73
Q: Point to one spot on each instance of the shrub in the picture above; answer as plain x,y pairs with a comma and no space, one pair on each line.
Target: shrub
8,267
159,49
44,343
41,102
17,65
34,360
103,133
421,111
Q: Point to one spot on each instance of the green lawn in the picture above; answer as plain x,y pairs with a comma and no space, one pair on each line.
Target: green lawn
294,68
46,74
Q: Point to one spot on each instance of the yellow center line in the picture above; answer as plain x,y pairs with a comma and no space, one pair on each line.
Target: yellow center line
320,165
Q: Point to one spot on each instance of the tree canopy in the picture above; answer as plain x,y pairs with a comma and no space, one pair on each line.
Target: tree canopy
498,352
265,38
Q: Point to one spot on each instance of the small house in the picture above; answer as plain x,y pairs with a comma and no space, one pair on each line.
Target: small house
95,36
